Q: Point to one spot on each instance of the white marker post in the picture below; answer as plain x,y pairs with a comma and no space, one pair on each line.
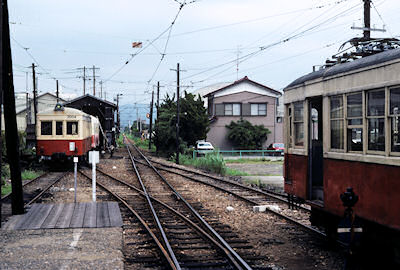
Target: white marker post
75,174
94,158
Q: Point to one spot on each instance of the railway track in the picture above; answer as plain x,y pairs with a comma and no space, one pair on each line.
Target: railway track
32,191
190,245
275,203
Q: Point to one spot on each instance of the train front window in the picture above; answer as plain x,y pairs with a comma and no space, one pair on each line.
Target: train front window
337,123
72,128
59,128
395,119
46,128
376,120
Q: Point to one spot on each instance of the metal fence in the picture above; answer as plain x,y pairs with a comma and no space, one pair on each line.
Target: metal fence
241,153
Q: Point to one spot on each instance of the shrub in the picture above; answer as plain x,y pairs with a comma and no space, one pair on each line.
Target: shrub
212,162
246,136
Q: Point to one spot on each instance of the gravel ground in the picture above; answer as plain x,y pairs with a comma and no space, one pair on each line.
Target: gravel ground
282,245
259,168
61,249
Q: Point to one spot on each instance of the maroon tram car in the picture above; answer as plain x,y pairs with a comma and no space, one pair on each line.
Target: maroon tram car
65,132
342,128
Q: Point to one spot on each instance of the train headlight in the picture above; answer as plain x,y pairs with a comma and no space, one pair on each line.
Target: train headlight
71,146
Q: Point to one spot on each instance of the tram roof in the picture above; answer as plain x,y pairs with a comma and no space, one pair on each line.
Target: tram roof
346,67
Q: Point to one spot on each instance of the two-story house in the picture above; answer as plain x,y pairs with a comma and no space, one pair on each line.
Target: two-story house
245,99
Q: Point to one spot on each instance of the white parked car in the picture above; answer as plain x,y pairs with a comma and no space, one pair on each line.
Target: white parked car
204,147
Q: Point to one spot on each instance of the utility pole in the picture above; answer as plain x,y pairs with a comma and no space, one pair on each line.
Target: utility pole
101,89
118,119
177,114
34,96
157,120
7,92
84,80
367,22
151,118
94,81
367,19
57,93
137,118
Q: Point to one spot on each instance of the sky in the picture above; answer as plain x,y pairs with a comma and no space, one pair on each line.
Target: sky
271,42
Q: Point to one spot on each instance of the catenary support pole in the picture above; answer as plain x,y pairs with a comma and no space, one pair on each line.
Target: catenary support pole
57,93
157,107
12,141
94,81
177,114
367,19
151,119
84,80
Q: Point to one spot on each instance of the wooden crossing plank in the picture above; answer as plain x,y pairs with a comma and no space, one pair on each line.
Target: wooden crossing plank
40,217
115,214
78,215
102,217
89,220
65,217
54,215
26,216
11,222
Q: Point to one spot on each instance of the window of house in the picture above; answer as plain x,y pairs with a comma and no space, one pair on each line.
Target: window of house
72,128
298,124
376,120
232,109
59,128
354,122
279,119
395,119
259,109
337,122
46,128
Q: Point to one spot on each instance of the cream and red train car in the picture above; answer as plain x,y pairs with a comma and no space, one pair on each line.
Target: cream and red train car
64,132
342,128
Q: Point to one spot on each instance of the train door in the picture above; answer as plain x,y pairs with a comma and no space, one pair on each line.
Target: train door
315,150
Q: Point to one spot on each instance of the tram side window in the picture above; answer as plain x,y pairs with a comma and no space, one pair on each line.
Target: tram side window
354,122
72,128
298,124
337,122
59,128
46,128
376,120
289,126
395,118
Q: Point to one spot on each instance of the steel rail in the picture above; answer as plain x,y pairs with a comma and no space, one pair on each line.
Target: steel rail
25,184
274,195
239,259
155,217
309,228
142,221
180,215
46,188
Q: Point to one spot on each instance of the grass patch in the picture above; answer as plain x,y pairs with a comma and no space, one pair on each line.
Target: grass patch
30,174
212,162
25,175
142,144
5,189
234,172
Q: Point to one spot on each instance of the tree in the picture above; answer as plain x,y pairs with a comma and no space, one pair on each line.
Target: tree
246,136
193,123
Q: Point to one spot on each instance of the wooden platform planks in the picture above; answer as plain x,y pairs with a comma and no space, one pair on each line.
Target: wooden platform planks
69,215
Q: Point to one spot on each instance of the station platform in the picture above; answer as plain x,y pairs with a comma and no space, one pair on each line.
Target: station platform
68,215
64,236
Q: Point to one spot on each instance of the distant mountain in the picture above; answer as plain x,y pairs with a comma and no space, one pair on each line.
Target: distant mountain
130,112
